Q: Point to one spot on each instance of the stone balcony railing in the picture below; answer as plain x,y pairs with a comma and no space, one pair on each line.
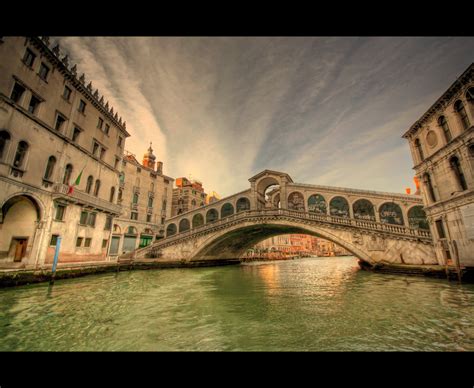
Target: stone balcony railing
248,215
81,198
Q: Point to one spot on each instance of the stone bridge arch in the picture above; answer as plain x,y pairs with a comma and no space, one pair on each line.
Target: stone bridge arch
233,242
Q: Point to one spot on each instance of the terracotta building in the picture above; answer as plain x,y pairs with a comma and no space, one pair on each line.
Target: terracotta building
188,195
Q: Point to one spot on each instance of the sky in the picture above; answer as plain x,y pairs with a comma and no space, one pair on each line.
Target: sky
325,110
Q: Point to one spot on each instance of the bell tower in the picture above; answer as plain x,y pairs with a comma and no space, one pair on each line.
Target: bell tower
149,159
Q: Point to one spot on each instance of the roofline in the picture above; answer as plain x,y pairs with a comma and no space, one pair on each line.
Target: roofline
463,78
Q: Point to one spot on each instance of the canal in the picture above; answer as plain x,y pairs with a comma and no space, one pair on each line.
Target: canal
312,304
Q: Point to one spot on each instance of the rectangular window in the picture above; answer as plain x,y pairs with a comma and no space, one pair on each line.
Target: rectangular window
59,216
83,220
107,128
108,223
29,58
162,220
58,126
148,218
100,123
87,243
17,92
120,141
43,71
95,147
134,216
440,228
33,106
75,134
150,201
67,93
92,217
82,106
102,153
104,243
54,240
117,161
79,241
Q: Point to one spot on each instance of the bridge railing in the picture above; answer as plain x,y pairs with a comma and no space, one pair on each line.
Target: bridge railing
324,218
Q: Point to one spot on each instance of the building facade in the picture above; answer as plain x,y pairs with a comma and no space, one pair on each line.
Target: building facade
60,148
442,148
188,195
145,195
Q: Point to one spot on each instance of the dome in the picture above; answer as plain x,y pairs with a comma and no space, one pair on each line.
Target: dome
149,155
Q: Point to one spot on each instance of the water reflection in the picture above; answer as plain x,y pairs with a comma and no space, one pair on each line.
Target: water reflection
308,304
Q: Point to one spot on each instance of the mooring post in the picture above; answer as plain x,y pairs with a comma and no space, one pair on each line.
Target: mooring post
55,261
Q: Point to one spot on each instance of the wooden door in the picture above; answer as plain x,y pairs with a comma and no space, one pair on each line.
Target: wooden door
20,249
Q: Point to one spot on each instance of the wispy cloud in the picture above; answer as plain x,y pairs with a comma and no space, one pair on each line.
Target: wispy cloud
324,110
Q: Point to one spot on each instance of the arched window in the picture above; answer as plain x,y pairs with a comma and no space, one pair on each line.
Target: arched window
20,154
243,204
339,207
471,150
227,210
363,210
90,180
444,124
67,174
152,187
4,139
119,197
211,216
296,201
49,168
193,202
97,188
135,198
417,218
131,230
419,149
198,220
391,213
456,166
184,225
461,111
170,230
317,204
164,204
429,186
112,194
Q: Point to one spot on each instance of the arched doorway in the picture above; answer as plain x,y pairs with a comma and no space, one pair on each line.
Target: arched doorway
19,217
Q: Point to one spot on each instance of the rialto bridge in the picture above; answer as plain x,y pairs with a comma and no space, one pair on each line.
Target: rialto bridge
374,226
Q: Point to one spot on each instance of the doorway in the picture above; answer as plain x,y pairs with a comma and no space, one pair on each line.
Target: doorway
19,248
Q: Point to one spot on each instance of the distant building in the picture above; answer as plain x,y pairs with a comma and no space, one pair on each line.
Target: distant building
442,148
187,195
212,197
145,194
298,244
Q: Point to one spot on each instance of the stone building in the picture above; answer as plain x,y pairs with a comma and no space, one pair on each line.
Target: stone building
188,195
60,149
442,148
145,195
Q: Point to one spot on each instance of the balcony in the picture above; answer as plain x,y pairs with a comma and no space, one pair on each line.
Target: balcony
80,198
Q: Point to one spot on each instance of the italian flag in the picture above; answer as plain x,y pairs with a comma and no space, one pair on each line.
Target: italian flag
76,182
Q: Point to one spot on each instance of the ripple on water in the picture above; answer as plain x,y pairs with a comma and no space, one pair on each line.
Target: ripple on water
323,304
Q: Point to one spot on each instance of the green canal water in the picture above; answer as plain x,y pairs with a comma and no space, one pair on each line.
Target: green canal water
313,304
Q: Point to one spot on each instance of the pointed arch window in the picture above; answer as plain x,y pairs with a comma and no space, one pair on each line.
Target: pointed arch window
456,167
4,139
461,111
97,187
90,180
429,187
444,125
49,168
419,149
67,174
